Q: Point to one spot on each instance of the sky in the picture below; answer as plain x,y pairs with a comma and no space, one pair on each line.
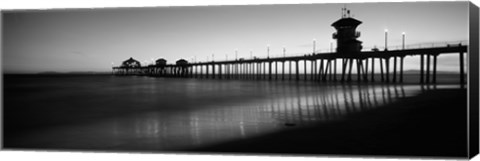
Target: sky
75,40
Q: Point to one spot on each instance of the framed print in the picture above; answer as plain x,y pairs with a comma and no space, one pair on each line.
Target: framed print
383,79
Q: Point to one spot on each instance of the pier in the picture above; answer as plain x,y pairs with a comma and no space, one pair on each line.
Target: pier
317,66
321,67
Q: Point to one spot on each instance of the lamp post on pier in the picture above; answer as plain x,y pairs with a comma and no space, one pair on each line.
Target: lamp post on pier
268,50
314,45
403,40
386,39
236,54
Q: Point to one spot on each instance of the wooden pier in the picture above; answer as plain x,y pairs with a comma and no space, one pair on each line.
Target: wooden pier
322,67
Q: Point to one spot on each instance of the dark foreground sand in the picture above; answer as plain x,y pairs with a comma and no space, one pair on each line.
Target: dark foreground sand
431,124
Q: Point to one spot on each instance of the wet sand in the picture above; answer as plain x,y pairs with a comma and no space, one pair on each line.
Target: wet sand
430,124
145,114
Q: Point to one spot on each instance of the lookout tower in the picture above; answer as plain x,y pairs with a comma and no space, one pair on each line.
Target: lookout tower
346,34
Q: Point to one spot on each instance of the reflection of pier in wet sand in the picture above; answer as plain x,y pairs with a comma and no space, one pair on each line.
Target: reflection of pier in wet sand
414,126
287,106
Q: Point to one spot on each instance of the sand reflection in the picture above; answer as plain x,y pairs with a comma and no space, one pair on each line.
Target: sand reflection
285,107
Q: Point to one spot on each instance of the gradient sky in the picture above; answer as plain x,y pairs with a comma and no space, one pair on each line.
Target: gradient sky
91,39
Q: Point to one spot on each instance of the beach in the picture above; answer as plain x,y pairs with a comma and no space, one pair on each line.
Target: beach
429,125
145,114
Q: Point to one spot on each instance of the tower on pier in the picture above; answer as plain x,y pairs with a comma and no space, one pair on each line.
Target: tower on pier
346,34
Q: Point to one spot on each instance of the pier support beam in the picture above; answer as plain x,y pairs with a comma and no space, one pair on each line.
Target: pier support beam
344,68
206,73
350,70
219,71
372,79
276,70
242,71
252,71
257,73
305,70
213,71
335,69
434,77
365,74
387,69
269,70
381,70
195,75
290,70
283,70
325,73
298,70
359,74
265,70
227,71
428,69
201,71
330,70
320,70
394,69
312,69
401,69
462,70
421,68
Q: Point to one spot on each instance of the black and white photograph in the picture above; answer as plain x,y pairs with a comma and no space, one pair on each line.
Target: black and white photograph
372,79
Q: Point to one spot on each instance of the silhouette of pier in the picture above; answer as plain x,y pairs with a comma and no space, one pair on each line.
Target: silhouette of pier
322,66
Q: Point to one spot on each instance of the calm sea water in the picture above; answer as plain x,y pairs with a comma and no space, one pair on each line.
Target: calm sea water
144,113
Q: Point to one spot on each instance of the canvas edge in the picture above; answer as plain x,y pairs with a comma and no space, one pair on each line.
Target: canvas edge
473,79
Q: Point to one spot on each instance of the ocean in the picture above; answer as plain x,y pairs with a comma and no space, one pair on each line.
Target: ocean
139,113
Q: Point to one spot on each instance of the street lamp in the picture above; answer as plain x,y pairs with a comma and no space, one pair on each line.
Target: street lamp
314,44
284,51
268,50
236,54
386,37
403,40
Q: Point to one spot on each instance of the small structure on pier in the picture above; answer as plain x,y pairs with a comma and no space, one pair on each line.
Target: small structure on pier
128,67
182,62
346,34
131,63
161,62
